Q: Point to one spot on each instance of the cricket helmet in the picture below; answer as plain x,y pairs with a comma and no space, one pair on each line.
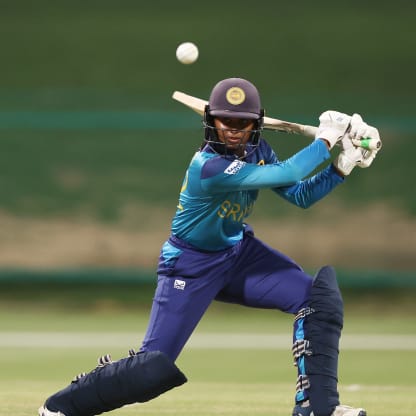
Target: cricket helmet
233,98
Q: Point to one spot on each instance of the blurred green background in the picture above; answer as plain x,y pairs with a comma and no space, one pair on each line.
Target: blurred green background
93,148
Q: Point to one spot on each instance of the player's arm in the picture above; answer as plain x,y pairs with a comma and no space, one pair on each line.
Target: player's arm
309,191
238,175
222,175
306,192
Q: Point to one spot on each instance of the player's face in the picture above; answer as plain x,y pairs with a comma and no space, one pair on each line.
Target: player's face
234,133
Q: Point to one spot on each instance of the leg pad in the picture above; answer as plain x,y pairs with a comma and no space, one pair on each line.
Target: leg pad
138,378
317,331
323,330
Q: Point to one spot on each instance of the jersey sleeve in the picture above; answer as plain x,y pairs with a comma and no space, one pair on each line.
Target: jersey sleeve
307,192
222,175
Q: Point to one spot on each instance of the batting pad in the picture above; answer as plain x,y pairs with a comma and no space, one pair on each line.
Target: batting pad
138,378
323,331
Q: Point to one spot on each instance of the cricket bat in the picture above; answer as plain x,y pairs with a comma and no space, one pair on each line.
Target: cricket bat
198,105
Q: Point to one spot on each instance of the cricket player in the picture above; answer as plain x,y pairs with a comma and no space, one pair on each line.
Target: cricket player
213,254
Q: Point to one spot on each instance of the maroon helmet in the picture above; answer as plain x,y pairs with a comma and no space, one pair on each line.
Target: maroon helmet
234,98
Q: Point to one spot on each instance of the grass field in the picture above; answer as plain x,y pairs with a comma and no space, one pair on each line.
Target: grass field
376,371
243,382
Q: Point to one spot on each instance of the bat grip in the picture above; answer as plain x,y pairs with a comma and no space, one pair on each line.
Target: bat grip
366,143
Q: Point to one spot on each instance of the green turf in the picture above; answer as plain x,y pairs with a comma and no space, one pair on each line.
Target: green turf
220,382
110,318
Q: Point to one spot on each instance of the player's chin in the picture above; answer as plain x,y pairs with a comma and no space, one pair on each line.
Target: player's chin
236,148
234,144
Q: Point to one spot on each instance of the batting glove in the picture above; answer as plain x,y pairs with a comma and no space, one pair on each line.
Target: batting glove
352,156
368,157
360,131
363,135
332,127
349,157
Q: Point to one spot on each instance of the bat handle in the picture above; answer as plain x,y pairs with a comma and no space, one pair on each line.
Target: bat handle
309,131
369,144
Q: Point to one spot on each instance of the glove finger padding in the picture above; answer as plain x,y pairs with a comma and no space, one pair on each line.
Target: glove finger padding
347,160
360,129
368,157
346,142
356,126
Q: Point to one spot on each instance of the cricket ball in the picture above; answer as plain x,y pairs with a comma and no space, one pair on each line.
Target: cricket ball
187,53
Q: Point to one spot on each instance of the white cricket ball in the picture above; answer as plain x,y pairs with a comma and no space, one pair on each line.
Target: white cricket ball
187,53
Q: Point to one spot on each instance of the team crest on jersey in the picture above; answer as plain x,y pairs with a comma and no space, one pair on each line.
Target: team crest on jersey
234,167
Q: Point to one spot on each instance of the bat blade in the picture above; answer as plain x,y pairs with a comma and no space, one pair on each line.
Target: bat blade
288,127
198,105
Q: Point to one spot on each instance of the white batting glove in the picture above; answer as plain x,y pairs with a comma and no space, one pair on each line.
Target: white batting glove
332,127
361,130
368,157
349,157
352,156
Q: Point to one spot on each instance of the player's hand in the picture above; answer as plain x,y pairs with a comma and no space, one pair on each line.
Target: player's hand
359,131
352,156
349,157
368,157
332,127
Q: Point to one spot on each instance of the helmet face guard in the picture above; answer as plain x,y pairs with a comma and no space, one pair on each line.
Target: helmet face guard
212,138
233,98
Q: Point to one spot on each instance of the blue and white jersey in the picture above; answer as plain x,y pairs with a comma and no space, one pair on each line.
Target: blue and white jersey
218,192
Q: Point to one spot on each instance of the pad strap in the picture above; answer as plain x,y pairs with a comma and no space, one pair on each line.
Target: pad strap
301,347
302,383
303,313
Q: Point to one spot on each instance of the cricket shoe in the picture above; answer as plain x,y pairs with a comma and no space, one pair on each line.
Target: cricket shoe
305,409
44,411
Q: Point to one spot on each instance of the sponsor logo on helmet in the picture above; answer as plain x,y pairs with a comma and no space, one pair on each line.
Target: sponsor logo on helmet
235,95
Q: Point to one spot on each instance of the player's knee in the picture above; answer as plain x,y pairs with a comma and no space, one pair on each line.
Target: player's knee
325,298
138,378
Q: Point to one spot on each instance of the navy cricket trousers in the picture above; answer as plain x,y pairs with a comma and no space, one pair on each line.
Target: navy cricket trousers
250,273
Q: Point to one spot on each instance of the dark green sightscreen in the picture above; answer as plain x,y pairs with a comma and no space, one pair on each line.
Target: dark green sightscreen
86,87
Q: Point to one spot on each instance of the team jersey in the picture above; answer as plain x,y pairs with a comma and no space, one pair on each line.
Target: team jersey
219,191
